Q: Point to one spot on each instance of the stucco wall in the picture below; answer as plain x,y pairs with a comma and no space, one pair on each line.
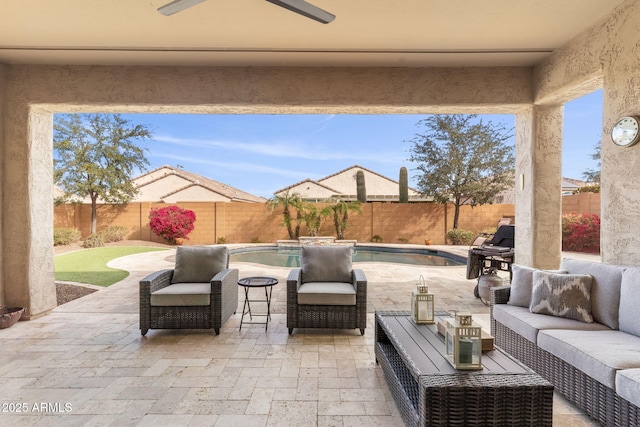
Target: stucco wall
608,53
195,193
2,172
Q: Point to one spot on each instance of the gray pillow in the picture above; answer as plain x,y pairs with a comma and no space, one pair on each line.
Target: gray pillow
605,290
562,295
326,263
521,284
198,264
630,301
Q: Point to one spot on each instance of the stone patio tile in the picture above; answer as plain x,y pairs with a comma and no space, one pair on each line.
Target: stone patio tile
241,421
155,420
288,413
341,408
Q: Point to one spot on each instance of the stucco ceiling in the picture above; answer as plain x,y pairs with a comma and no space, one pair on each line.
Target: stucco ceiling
397,33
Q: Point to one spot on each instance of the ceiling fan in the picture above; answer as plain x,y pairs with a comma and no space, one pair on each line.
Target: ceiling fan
298,6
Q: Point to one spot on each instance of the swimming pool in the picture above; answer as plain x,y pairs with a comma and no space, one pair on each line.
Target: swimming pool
290,257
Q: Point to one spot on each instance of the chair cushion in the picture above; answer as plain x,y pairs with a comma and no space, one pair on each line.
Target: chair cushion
326,264
605,289
327,293
181,294
198,264
598,354
528,324
630,301
521,284
562,295
628,385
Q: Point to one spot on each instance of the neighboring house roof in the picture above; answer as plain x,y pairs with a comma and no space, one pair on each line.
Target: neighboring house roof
172,185
342,184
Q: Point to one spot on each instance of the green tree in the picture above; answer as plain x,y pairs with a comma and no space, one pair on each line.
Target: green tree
288,202
361,187
341,211
314,216
593,175
95,156
463,160
403,184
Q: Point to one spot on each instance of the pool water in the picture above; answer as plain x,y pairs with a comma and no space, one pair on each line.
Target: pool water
290,257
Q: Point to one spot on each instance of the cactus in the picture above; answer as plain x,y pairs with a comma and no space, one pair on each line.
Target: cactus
361,187
404,186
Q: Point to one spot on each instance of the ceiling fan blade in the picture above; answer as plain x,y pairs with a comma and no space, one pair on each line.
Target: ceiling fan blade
305,9
177,5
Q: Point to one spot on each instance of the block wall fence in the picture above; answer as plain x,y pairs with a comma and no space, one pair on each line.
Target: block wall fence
247,222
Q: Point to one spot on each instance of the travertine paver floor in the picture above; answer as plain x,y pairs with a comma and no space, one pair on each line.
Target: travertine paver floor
86,364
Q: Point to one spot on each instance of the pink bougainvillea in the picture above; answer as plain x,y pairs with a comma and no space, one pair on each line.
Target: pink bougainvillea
172,222
581,233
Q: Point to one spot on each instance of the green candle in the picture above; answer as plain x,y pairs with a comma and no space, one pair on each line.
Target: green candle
465,353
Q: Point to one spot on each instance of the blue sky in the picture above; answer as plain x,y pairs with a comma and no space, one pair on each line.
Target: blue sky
261,154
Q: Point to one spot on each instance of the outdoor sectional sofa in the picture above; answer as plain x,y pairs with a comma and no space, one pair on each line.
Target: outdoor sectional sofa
588,342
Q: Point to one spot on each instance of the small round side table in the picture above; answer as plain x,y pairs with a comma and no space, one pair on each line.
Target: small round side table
257,282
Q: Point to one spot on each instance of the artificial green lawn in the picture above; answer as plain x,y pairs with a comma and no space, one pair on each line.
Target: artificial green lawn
90,265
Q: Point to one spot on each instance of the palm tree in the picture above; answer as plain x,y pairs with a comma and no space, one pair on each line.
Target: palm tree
288,201
341,211
313,216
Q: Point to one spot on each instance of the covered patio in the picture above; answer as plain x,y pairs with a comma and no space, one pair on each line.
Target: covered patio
235,57
88,364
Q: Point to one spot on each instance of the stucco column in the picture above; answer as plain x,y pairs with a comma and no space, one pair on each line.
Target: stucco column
28,209
538,186
2,160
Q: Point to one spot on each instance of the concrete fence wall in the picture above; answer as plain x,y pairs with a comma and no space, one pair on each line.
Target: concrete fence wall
247,222
583,203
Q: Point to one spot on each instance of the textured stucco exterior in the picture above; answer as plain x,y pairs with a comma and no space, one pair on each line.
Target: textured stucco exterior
194,193
538,186
607,54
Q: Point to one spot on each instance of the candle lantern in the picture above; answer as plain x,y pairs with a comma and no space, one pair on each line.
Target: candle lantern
463,342
422,304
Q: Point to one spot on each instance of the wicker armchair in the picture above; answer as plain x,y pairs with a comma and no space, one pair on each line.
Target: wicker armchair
201,292
326,292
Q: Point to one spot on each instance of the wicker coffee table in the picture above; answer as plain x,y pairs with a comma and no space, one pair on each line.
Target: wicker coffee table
430,392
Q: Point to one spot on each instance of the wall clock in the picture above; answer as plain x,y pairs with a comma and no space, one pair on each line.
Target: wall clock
626,132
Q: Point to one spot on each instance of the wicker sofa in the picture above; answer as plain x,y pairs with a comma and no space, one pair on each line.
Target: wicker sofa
596,364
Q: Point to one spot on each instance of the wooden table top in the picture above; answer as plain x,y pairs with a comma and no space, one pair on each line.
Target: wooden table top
422,348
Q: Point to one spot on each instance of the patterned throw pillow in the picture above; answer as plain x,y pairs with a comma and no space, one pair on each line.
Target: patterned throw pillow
562,295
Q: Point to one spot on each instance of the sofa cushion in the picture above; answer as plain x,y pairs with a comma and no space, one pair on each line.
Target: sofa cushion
562,295
182,294
326,264
628,385
198,264
527,324
327,293
521,284
596,353
605,288
629,316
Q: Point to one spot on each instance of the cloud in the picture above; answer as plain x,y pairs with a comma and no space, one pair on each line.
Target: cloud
240,166
294,150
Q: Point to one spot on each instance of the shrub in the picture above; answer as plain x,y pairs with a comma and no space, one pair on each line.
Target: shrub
581,232
114,233
172,222
403,240
65,236
221,240
255,240
376,238
458,236
93,241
